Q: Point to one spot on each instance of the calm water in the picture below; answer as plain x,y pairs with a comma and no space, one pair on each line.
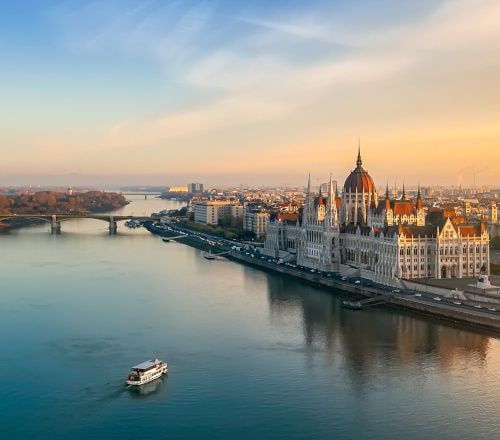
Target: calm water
251,355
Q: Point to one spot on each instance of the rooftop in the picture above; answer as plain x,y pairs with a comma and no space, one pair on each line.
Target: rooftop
144,365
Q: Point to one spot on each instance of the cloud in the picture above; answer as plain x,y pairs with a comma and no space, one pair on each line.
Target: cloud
255,96
257,88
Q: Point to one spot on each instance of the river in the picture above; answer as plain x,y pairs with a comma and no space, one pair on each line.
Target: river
251,355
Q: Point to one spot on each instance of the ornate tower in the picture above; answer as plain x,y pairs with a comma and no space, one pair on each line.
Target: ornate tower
358,195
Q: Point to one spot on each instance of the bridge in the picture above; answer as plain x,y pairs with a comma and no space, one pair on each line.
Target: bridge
56,219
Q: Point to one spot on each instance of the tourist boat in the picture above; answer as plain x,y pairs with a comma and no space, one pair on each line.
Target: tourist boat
146,372
166,240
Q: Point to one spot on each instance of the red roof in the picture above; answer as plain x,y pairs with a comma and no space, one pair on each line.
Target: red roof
402,207
469,230
287,217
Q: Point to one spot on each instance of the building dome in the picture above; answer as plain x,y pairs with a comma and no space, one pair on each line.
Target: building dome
359,180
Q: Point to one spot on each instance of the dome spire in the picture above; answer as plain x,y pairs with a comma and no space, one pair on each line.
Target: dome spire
359,162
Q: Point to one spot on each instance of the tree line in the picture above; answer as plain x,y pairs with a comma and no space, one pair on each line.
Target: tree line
46,202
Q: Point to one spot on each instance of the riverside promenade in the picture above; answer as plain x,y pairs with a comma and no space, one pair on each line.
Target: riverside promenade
464,312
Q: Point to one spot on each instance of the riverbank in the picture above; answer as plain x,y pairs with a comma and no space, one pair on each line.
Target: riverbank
421,304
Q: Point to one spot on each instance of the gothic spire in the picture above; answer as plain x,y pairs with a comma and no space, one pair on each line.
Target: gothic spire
331,205
403,197
419,203
359,162
307,204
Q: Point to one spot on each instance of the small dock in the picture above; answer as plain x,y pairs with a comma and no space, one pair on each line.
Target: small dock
168,239
368,302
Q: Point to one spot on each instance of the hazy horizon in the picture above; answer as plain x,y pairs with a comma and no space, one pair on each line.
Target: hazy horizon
117,181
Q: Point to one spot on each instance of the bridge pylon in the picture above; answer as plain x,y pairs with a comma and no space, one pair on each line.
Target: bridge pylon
55,225
113,227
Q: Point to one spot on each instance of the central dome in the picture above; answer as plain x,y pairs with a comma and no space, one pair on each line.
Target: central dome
359,180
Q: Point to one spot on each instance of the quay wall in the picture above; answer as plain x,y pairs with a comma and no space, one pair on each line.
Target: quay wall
436,310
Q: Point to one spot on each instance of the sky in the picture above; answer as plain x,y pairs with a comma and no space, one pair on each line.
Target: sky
231,92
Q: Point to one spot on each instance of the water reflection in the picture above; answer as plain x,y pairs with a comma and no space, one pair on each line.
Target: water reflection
373,339
148,388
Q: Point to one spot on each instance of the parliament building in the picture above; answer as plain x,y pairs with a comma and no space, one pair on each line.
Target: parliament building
385,239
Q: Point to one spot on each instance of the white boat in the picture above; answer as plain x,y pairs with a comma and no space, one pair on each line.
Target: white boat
146,372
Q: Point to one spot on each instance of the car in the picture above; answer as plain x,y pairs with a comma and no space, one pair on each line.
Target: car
328,274
357,282
436,298
458,303
312,270
416,294
344,279
478,306
397,291
492,309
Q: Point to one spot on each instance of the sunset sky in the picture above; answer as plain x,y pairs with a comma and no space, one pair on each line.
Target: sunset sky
250,91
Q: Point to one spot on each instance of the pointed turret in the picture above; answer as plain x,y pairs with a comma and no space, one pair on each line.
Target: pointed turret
419,204
403,197
331,211
387,198
307,203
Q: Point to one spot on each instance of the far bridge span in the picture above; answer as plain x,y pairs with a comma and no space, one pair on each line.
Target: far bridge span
56,219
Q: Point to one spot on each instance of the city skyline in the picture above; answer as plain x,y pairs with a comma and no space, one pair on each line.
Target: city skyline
157,92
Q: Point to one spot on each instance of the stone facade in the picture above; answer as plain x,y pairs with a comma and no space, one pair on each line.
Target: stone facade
389,239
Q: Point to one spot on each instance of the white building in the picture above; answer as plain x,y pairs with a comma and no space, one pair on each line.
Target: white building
256,221
212,212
